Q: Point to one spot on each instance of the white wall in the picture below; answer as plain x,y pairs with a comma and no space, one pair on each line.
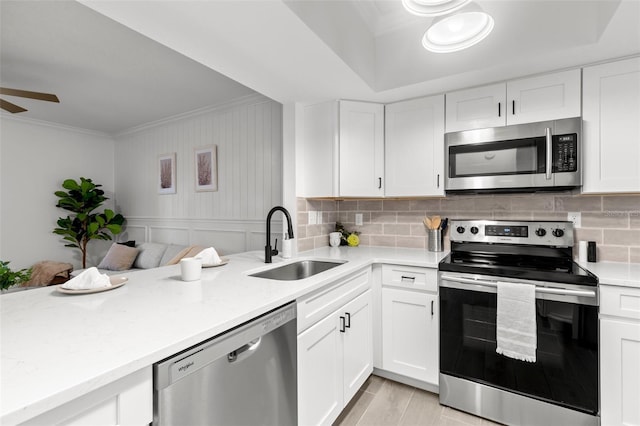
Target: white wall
35,158
248,135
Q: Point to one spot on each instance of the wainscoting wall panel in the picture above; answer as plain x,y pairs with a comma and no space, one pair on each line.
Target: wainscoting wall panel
248,135
227,236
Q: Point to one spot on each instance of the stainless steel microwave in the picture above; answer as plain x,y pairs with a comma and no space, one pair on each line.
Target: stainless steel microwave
520,158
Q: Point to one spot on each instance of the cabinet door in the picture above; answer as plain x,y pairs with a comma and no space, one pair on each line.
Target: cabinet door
358,343
547,97
318,148
414,147
611,128
361,149
619,372
410,334
127,402
320,372
476,108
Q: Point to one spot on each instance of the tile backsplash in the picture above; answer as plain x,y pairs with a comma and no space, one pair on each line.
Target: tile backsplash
612,221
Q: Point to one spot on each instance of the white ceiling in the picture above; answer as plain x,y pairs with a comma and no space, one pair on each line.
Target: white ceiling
111,78
108,77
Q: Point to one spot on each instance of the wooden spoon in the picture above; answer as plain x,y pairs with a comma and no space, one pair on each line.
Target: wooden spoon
435,222
427,222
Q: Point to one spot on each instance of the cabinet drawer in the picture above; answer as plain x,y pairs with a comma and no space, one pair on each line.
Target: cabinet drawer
620,301
321,303
410,277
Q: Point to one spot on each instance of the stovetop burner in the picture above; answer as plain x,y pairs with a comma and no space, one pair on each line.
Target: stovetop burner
537,269
540,251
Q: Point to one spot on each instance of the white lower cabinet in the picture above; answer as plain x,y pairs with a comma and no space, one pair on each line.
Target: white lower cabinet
410,334
358,344
335,357
619,356
125,402
410,322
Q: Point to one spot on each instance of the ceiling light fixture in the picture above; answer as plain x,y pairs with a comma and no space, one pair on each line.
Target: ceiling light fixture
457,32
433,7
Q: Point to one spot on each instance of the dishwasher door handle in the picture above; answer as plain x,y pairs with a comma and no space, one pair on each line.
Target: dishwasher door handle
233,356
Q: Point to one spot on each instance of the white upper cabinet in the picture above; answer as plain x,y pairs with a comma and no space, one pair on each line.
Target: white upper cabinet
476,108
341,150
611,127
414,147
361,149
318,150
546,97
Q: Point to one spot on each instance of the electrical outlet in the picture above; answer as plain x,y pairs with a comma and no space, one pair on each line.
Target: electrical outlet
313,217
576,218
358,219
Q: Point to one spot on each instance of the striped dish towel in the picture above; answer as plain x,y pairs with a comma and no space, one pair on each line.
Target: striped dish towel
516,321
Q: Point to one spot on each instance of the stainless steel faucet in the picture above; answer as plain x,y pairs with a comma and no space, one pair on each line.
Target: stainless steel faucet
268,251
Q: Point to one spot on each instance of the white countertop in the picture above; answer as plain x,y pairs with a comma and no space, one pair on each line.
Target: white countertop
615,273
56,347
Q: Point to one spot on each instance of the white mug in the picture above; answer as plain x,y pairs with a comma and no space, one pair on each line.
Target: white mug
190,268
334,239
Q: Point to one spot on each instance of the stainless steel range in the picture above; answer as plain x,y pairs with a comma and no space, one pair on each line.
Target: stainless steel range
558,383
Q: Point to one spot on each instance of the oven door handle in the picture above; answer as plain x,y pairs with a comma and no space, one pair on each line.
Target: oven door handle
542,290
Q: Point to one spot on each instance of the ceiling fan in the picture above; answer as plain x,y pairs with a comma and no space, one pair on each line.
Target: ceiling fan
13,108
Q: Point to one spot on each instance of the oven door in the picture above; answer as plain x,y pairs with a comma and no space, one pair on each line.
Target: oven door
566,369
536,155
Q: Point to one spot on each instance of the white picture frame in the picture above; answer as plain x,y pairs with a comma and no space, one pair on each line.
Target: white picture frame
167,173
206,168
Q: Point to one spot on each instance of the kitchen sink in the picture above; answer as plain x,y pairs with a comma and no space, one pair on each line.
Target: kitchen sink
297,270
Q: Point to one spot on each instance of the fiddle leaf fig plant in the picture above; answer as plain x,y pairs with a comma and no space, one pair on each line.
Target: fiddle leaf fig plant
83,225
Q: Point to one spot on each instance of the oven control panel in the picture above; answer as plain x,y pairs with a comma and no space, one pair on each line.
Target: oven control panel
549,233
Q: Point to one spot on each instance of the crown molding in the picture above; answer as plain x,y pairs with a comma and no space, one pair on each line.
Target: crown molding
51,124
252,99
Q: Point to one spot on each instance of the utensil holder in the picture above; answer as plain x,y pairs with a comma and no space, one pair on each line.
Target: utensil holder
434,237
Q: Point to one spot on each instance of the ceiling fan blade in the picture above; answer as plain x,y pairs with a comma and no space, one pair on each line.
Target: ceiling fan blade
49,97
12,108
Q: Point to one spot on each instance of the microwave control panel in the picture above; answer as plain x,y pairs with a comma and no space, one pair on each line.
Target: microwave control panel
565,153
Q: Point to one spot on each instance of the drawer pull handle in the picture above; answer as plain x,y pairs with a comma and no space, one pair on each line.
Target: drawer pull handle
432,308
348,322
407,278
342,325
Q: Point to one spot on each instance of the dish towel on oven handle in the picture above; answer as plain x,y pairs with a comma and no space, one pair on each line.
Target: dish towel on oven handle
516,321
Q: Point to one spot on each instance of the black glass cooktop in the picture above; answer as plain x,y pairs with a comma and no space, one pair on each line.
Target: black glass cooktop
539,268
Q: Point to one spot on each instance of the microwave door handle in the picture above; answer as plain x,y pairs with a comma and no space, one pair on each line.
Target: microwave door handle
548,153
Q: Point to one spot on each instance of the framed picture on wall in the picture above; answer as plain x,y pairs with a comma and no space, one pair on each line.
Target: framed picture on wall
167,173
206,167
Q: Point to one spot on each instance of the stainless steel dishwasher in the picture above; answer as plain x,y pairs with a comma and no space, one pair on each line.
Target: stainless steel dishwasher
246,376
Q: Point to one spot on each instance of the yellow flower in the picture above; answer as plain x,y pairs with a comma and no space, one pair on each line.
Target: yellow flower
353,240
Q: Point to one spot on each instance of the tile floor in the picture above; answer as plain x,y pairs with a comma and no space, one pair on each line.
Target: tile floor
387,403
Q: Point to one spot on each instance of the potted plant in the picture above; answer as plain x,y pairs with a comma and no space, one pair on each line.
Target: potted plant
9,278
349,238
82,198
